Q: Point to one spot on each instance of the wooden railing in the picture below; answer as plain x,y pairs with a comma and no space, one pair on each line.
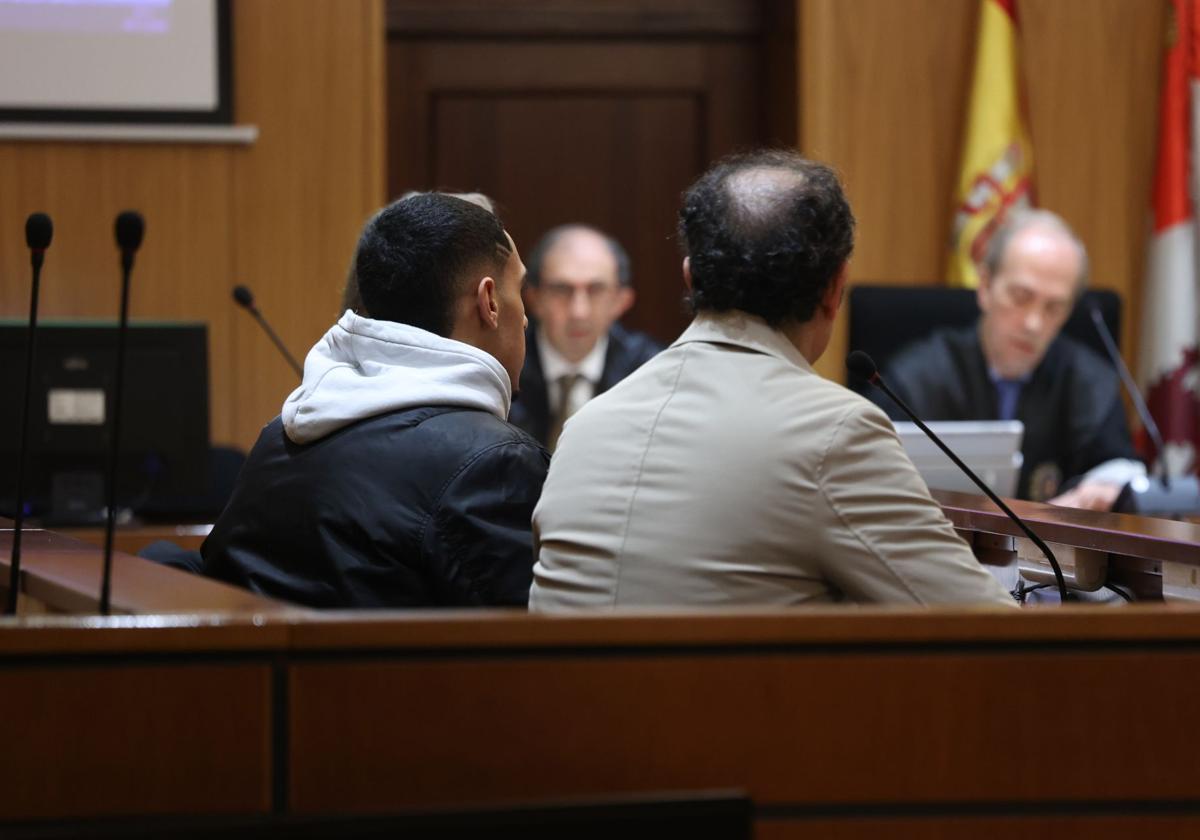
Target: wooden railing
1155,558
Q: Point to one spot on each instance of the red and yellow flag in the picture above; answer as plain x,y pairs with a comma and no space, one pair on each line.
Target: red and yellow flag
997,161
1169,360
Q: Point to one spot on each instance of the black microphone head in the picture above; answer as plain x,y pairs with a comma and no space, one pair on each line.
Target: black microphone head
860,363
38,231
130,228
243,296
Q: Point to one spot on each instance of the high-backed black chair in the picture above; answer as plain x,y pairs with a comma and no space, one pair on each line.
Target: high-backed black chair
885,319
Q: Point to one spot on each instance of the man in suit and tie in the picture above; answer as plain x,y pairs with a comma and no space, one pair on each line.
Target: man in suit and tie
725,471
579,284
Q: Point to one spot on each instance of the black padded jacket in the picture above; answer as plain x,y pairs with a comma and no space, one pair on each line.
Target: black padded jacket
415,508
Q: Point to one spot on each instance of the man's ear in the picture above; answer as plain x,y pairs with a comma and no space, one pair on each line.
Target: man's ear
831,302
687,273
625,299
983,292
487,304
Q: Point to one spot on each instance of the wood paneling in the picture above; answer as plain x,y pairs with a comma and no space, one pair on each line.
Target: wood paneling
1093,71
280,216
838,723
942,726
111,740
883,91
313,83
605,131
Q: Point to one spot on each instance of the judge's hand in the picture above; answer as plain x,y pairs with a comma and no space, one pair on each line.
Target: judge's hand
1090,495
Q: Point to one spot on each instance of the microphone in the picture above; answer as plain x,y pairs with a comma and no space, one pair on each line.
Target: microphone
1135,393
1177,497
863,365
39,230
245,299
129,229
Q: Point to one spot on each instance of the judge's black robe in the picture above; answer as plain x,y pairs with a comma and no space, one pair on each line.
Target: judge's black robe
1071,405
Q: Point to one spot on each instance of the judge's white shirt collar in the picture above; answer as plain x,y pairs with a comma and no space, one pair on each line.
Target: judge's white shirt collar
555,366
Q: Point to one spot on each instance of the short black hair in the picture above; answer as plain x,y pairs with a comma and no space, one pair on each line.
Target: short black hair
766,233
414,254
533,263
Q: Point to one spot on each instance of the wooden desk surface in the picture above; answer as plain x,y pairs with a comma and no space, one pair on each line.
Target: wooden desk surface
131,539
64,574
1117,533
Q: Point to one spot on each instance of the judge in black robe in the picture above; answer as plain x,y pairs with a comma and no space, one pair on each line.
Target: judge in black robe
1070,404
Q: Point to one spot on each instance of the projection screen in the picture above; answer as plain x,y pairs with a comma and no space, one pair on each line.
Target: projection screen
115,61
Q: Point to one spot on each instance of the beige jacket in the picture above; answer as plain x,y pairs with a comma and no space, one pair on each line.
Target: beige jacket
727,472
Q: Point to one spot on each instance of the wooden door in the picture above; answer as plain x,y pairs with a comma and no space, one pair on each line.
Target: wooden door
594,111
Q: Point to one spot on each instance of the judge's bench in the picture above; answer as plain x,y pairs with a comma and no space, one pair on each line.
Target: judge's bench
201,708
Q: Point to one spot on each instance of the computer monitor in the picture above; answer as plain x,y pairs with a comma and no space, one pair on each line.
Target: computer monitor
992,448
164,419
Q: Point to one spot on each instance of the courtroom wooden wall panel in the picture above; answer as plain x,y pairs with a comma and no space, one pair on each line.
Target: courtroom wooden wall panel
883,91
280,216
101,740
882,97
312,80
1093,71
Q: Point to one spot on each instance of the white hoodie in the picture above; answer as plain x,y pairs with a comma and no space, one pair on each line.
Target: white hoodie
363,367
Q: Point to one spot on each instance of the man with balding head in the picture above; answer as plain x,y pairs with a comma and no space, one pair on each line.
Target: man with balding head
1014,364
726,471
579,284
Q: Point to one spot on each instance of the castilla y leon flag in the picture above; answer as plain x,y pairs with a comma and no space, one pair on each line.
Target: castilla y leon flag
1169,361
997,157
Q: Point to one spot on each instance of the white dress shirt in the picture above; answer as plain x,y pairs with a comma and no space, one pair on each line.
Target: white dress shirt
555,367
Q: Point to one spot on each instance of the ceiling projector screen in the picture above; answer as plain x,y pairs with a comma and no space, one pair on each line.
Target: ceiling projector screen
115,60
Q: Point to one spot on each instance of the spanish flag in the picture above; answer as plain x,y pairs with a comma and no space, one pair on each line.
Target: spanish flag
997,160
1170,356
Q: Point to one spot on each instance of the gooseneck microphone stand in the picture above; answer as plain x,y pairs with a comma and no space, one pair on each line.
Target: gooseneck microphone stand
39,230
245,299
130,228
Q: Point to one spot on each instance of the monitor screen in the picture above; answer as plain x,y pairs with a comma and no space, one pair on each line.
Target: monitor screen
992,448
164,421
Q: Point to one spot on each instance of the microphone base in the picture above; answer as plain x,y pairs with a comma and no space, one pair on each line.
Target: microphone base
1148,497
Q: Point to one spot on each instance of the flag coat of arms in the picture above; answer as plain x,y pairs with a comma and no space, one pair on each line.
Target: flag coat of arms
997,161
